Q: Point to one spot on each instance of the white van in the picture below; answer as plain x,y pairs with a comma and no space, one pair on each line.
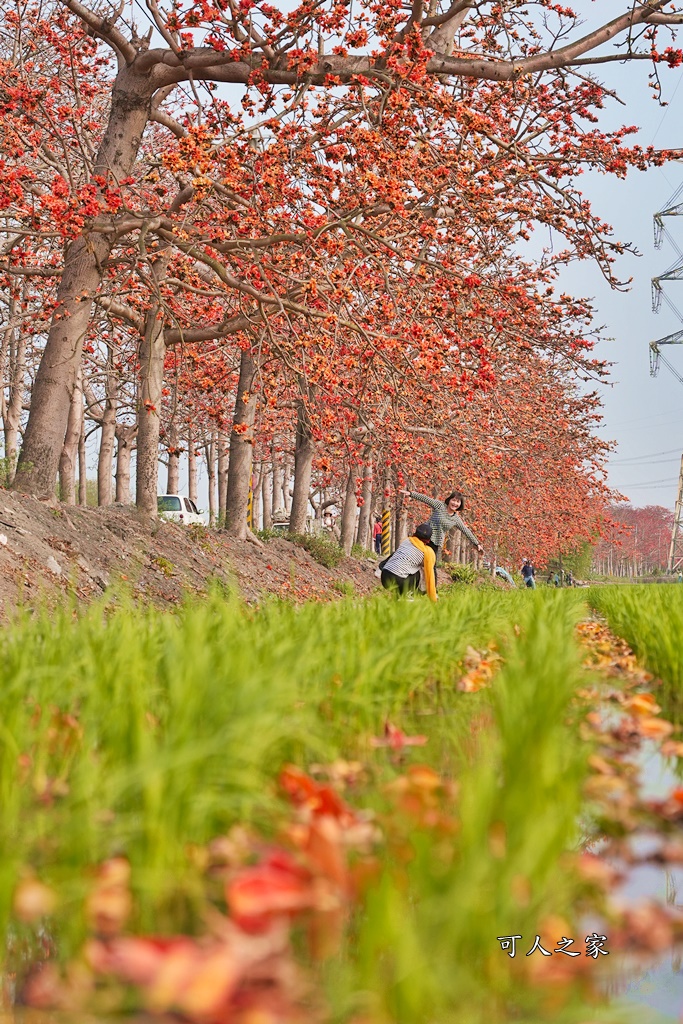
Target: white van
176,508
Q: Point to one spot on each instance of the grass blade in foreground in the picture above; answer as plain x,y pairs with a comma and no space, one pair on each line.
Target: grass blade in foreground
136,733
650,619
427,941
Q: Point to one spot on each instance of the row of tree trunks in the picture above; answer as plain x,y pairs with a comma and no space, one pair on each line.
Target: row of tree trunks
229,487
73,488
231,461
458,549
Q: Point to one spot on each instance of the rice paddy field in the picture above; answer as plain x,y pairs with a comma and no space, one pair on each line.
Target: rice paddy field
348,812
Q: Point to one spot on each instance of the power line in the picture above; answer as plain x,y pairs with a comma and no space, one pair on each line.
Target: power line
647,462
663,117
640,419
649,483
641,458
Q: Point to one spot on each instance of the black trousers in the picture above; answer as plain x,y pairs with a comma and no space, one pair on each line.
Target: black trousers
401,583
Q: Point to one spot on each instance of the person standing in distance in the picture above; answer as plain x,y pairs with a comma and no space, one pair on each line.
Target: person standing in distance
529,575
377,535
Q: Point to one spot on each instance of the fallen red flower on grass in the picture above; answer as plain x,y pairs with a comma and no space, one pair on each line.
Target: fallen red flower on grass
316,797
276,887
396,739
203,980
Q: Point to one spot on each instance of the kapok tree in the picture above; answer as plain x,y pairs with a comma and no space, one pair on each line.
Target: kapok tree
269,52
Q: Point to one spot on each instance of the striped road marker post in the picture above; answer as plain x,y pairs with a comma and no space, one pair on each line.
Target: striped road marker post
386,532
250,505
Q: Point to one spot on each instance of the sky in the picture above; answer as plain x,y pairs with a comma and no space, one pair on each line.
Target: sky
642,415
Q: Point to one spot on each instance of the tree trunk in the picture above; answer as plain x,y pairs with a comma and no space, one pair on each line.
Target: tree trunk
365,518
241,450
287,483
278,500
84,261
267,498
210,449
173,477
223,466
152,351
401,526
386,507
12,418
191,467
152,354
303,469
348,520
105,461
126,437
256,481
6,339
82,467
69,455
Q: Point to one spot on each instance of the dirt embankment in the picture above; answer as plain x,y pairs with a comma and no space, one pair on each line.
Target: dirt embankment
48,549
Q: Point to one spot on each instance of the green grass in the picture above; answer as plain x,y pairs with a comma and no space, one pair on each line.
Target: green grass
323,549
181,722
185,719
650,619
436,957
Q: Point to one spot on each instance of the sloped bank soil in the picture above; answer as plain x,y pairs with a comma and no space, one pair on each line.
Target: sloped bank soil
48,550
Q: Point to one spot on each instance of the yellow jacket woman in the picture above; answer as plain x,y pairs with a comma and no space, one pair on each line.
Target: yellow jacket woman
402,569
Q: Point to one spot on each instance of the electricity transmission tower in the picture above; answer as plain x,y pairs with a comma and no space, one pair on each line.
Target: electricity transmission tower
674,208
676,546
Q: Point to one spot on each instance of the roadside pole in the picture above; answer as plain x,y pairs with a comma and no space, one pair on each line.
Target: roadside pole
386,532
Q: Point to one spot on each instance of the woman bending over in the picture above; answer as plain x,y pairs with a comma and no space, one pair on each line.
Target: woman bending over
402,569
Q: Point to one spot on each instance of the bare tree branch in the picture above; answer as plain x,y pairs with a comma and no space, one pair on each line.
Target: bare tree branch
104,28
208,64
121,310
